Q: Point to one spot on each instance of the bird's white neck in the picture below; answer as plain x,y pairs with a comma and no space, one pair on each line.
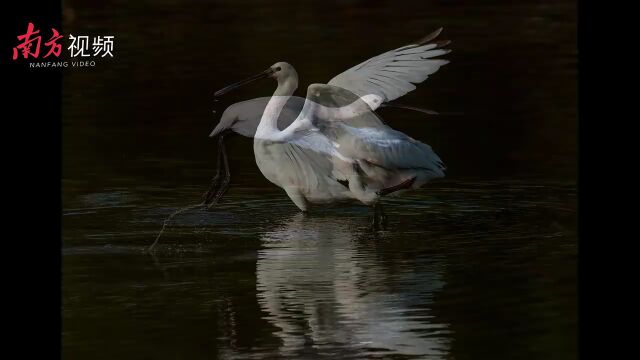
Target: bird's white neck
268,126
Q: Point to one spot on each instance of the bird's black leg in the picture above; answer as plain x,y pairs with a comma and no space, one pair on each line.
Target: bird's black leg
383,216
379,218
374,219
224,186
215,182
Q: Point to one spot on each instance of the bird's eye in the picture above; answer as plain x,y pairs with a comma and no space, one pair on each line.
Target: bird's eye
278,68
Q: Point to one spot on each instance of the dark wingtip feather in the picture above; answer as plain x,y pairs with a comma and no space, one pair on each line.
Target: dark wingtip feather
442,43
391,104
429,37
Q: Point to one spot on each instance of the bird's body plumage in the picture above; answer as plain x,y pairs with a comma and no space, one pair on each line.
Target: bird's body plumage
337,139
337,148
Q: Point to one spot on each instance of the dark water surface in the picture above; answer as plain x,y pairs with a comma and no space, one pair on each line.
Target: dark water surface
480,265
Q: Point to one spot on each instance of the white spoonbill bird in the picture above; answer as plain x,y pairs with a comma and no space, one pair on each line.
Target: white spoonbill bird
337,148
243,117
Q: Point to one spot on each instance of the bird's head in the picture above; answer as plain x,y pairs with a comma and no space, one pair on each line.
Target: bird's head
241,118
281,71
226,124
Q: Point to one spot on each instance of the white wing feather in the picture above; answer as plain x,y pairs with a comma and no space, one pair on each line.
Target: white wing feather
330,125
394,73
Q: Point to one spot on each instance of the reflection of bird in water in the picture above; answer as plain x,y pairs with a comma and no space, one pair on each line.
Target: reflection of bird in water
337,148
325,292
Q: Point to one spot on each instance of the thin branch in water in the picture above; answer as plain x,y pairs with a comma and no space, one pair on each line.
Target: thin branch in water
166,221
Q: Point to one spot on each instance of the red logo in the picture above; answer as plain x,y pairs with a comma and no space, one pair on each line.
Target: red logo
30,45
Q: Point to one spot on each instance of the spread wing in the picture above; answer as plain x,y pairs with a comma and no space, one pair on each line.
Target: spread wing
393,74
337,123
